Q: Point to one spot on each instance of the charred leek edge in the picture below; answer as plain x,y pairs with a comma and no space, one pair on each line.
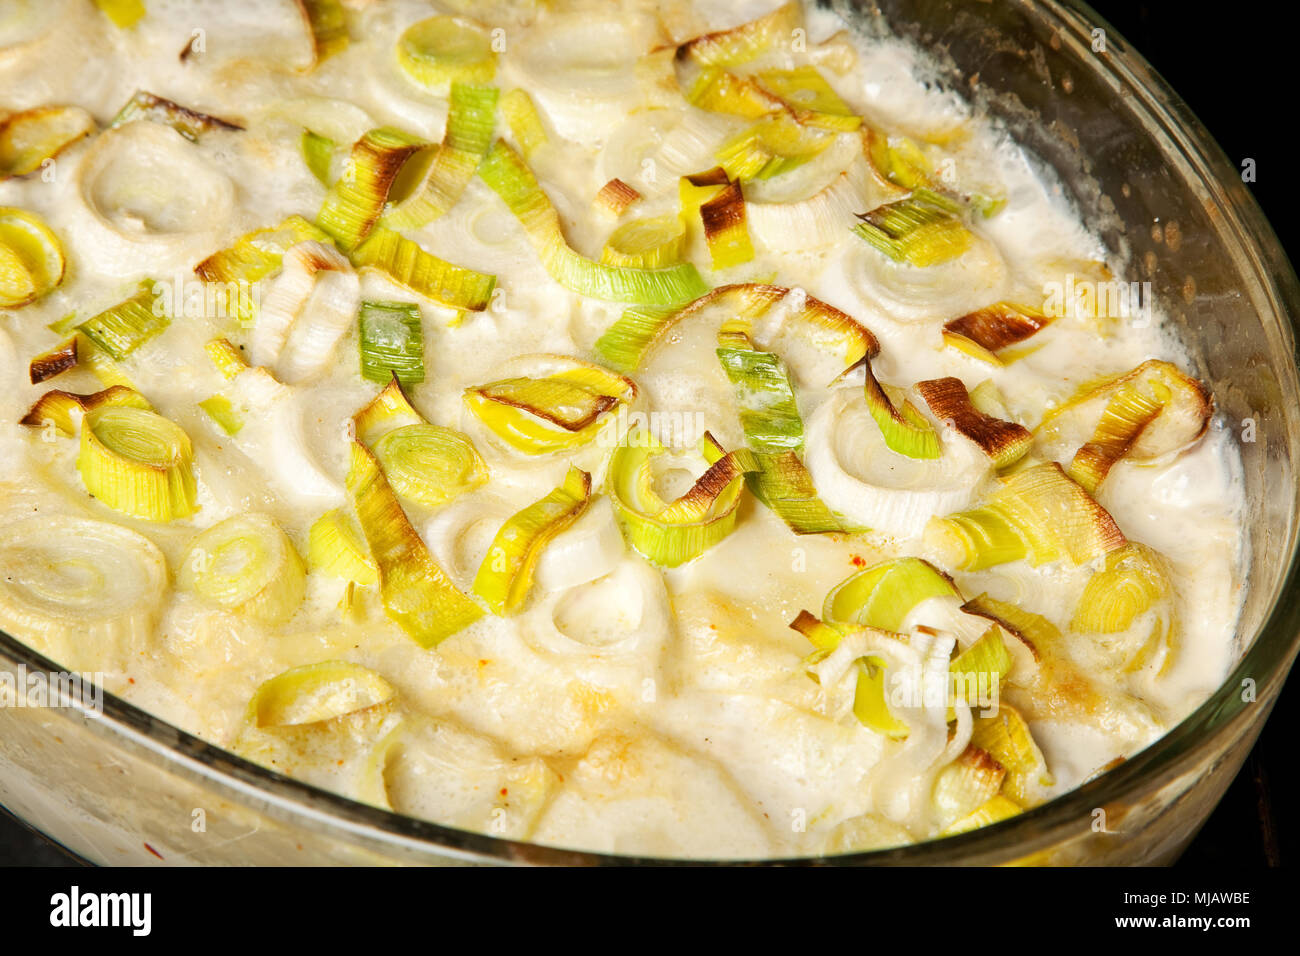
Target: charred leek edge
388,410
31,259
259,253
564,409
222,411
670,534
62,408
417,593
820,634
189,123
328,25
441,50
997,809
1037,513
246,565
137,462
924,229
1004,442
512,180
506,574
645,243
54,362
615,196
810,99
746,42
470,121
391,342
125,327
773,145
987,332
883,595
29,138
318,153
904,429
334,548
123,13
318,692
429,463
722,216
1151,411
1030,629
403,261
1006,736
526,124
625,344
227,358
354,203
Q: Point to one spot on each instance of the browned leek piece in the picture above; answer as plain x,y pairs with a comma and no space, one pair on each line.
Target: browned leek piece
746,42
1004,442
58,407
54,362
189,123
989,332
721,206
615,196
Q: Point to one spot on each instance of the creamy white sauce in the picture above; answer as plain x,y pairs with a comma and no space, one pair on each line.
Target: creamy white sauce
624,709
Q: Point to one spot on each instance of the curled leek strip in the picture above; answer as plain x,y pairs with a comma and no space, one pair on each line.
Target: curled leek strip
903,427
990,333
334,548
189,123
391,342
809,98
307,310
429,463
506,574
1006,737
645,243
246,565
720,205
31,259
355,203
1134,582
561,410
897,160
403,261
870,704
388,410
924,229
125,327
773,145
470,122
966,784
123,13
442,50
526,124
1152,411
417,593
328,25
883,595
1003,441
137,462
63,409
254,257
672,533
317,692
511,179
1038,514
29,138
71,584
746,42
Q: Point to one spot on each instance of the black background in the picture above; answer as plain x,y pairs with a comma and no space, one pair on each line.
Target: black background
1235,66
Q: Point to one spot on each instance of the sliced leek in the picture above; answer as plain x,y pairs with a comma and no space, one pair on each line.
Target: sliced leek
328,25
996,810
123,13
1003,441
1005,735
506,574
318,152
773,145
31,259
526,124
54,362
314,693
615,196
137,462
334,548
254,257
904,429
417,593
125,327
746,42
672,533
442,50
189,123
924,229
990,333
410,266
355,203
561,410
246,565
809,98
645,243
1132,589
429,463
470,122
1038,514
29,138
391,342
64,409
870,704
720,205
966,784
883,595
511,179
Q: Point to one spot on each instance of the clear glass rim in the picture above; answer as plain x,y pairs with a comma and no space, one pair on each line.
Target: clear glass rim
1224,713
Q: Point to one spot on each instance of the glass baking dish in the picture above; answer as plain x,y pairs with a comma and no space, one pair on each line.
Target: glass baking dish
123,787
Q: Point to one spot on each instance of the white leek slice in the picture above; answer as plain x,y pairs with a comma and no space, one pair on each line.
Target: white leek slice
246,565
318,692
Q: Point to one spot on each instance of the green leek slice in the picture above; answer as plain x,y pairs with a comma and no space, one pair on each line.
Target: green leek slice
254,257
125,327
526,125
416,591
672,533
773,145
720,204
31,259
318,692
222,411
429,463
62,408
123,13
997,809
410,266
137,462
53,362
870,704
470,122
924,229
966,784
318,151
328,25
903,427
356,202
810,99
746,42
511,179
884,594
645,243
334,548
506,574
246,565
439,51
391,342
